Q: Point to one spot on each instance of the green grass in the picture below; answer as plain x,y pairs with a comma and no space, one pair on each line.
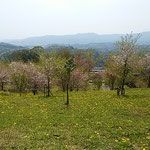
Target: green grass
94,120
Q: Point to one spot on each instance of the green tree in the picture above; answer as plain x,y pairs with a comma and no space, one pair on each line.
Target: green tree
69,66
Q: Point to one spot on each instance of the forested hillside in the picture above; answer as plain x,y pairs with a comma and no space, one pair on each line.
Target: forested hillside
5,47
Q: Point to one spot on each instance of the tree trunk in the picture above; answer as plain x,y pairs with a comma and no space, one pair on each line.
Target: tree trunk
112,86
123,92
71,88
44,91
122,87
118,91
2,86
148,86
64,89
35,90
67,103
48,87
123,78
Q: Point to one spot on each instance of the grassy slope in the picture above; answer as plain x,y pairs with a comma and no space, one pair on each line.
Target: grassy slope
94,120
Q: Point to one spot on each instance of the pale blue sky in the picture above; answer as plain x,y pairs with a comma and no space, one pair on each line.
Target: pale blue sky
24,18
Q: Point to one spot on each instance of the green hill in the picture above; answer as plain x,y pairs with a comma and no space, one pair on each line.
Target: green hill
5,47
94,120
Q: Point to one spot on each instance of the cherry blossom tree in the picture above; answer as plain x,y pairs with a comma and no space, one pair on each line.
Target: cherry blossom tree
78,80
125,57
84,60
19,76
4,77
36,79
47,65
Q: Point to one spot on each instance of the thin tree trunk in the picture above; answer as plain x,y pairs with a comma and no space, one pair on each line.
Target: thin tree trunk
67,103
2,86
122,88
112,86
71,88
148,86
44,90
123,78
35,90
118,91
48,87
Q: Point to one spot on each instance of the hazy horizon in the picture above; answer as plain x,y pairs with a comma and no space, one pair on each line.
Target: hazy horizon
1,40
28,18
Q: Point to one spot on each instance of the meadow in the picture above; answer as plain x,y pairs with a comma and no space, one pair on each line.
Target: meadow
94,120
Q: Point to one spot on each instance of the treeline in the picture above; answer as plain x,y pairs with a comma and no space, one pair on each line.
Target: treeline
30,55
46,70
37,69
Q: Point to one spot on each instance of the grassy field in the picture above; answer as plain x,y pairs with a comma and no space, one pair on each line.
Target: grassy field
94,120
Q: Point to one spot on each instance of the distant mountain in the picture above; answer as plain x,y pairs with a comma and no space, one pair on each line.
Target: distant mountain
104,47
58,47
65,39
5,47
76,39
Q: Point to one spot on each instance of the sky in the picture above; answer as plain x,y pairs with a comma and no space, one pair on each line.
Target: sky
27,18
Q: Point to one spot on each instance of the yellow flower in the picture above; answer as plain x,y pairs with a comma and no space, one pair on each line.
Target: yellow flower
130,121
91,136
125,139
